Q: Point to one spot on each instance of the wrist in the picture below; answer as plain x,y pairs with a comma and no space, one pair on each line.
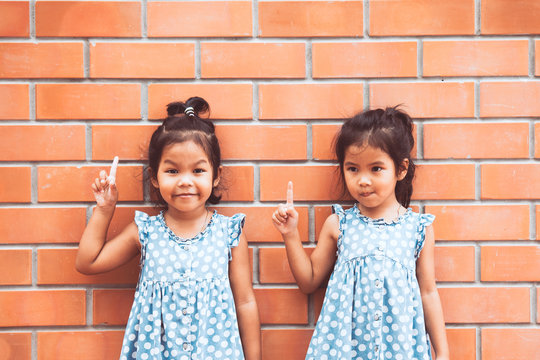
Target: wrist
292,235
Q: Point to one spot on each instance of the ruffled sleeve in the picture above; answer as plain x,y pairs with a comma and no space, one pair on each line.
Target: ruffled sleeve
423,222
236,223
142,220
338,210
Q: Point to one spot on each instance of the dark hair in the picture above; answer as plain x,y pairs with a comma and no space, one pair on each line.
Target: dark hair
388,129
184,124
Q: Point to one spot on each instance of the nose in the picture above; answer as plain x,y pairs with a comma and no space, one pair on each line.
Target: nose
184,180
364,180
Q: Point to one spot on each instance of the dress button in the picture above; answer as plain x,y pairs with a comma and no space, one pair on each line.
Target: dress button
377,317
378,283
184,312
185,346
186,247
380,248
376,348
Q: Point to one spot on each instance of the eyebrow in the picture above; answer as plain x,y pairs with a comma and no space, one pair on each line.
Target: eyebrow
203,161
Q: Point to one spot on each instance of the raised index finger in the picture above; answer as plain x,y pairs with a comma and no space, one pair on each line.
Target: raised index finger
112,174
290,193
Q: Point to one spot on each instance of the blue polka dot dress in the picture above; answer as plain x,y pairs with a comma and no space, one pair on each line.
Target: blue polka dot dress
372,307
183,306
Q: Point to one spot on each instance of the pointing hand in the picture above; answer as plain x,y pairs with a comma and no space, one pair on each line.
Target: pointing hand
104,187
285,217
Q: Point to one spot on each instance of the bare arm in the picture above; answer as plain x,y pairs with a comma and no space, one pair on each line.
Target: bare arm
430,297
244,299
309,271
95,254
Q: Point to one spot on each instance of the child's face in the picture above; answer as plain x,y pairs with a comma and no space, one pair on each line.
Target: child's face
184,177
370,175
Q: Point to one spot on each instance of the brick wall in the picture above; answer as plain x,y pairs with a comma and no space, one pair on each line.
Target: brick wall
83,81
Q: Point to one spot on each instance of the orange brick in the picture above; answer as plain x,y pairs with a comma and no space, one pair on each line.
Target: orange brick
88,18
485,305
537,67
15,184
274,266
510,181
309,101
510,343
538,222
125,215
128,142
112,306
323,136
480,222
253,60
282,306
263,142
43,60
509,99
14,19
510,17
42,225
14,101
477,140
46,143
311,183
70,183
454,263
510,263
16,346
57,266
42,308
462,343
88,101
285,344
259,227
476,58
104,345
321,214
16,267
537,140
206,19
426,100
444,181
227,101
142,60
237,183
374,59
310,18
421,17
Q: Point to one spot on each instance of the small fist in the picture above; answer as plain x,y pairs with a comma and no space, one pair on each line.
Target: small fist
285,217
104,187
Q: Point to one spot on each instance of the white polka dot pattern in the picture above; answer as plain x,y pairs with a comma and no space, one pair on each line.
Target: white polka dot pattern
183,306
372,307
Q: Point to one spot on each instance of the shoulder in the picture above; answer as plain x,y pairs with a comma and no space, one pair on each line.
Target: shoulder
331,226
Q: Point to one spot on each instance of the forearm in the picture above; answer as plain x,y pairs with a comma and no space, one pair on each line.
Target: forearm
435,323
300,263
93,238
250,329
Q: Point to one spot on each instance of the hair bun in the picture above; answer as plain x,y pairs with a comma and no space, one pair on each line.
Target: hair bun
194,105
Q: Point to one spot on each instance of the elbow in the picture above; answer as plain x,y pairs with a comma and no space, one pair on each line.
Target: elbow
307,288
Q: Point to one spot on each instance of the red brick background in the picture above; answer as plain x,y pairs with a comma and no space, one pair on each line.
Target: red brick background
83,81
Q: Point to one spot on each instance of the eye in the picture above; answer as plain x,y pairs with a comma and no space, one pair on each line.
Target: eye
376,168
199,171
352,169
171,171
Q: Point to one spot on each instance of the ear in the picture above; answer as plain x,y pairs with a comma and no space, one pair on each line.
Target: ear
153,178
218,177
403,168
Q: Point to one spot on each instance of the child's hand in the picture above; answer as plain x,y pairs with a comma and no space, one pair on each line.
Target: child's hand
285,217
104,187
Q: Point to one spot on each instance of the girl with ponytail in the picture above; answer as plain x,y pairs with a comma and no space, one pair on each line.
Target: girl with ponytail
381,300
194,298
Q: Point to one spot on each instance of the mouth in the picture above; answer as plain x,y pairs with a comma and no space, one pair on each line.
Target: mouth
186,195
365,194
